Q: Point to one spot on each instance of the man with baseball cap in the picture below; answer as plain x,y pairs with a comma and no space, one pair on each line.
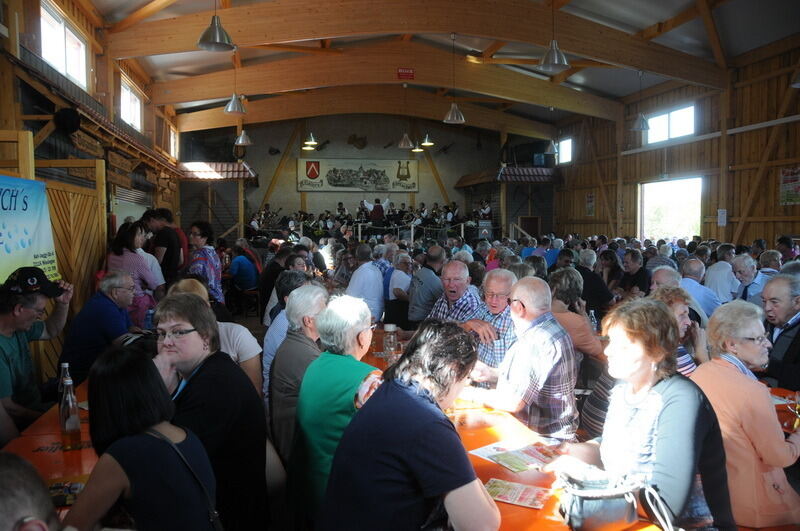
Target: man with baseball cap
23,299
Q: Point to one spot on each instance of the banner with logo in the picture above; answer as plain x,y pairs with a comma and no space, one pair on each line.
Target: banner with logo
789,190
357,175
26,235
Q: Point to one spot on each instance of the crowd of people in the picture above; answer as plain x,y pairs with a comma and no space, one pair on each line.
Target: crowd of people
673,338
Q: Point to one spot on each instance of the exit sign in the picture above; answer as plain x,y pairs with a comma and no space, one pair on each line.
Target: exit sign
405,73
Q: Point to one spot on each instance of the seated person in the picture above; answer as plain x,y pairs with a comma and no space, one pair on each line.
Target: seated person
133,438
245,277
23,301
25,502
636,280
400,459
104,320
569,309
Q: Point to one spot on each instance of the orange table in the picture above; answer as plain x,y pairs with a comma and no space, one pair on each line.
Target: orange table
480,426
785,417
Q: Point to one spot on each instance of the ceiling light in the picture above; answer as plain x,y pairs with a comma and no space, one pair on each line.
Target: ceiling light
641,122
405,142
551,149
417,149
796,81
454,115
235,105
554,60
243,140
215,38
310,141
427,142
307,148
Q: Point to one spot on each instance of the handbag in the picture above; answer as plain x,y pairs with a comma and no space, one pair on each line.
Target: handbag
213,515
596,505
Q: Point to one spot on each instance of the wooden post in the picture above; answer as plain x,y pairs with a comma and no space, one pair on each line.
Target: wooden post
285,156
25,155
208,199
303,201
620,134
102,206
503,209
240,189
587,135
724,175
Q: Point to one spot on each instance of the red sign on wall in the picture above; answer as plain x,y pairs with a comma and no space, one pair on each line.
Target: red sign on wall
405,73
312,169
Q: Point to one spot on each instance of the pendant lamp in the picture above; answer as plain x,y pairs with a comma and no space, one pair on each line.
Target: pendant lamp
310,141
243,139
405,142
554,60
551,149
417,149
640,124
215,38
427,142
454,115
235,105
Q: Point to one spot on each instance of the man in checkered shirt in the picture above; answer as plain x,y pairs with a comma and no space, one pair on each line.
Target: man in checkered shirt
536,380
456,303
493,324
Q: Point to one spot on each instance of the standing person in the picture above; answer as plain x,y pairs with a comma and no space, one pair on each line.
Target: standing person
367,282
660,429
400,463
166,245
129,418
334,387
755,448
23,299
184,241
204,259
426,287
376,210
123,257
216,401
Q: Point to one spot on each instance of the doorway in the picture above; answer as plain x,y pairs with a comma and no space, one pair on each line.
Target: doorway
670,209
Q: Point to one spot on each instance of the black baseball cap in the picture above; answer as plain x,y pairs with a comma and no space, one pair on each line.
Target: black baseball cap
27,280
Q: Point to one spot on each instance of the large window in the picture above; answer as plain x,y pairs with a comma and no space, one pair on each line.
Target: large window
130,105
564,154
62,46
673,124
173,143
670,209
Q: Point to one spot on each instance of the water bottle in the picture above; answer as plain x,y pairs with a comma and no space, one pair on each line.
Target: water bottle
391,347
593,320
69,417
148,319
63,375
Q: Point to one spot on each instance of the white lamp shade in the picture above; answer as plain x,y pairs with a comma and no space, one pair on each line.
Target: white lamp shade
405,142
454,115
551,149
215,38
307,148
640,124
554,61
235,105
427,142
243,139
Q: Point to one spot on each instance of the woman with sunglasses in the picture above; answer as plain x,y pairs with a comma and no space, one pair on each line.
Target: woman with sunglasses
214,398
755,447
130,415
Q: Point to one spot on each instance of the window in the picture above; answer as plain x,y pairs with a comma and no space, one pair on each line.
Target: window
130,105
564,154
679,122
62,46
173,143
670,208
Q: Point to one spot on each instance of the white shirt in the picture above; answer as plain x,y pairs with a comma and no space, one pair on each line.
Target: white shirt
367,284
237,342
370,206
399,280
153,266
721,280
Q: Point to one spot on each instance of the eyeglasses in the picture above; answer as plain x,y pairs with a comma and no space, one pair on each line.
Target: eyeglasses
38,311
489,295
757,339
515,300
174,334
131,289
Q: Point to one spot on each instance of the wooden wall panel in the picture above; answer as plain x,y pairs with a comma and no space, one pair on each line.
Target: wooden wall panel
76,232
758,90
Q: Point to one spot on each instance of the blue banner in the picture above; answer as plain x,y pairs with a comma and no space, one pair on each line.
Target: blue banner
26,235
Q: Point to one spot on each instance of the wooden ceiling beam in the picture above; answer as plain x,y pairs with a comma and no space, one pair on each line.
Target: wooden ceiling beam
582,63
91,12
713,35
493,48
364,99
507,20
406,37
665,26
294,48
378,64
144,12
559,78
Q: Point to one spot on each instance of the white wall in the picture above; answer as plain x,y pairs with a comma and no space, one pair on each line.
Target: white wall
462,158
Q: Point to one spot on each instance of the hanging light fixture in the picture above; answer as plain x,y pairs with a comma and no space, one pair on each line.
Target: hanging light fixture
243,139
427,142
551,149
310,141
416,148
405,142
215,38
554,60
235,105
454,115
640,124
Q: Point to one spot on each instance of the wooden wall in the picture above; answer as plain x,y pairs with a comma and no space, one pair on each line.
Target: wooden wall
759,92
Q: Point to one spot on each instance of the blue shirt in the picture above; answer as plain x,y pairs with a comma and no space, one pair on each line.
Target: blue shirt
706,298
272,340
99,323
551,256
244,273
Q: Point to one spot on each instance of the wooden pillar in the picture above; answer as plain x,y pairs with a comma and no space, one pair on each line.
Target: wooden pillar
724,175
102,206
240,190
9,118
25,155
503,209
620,134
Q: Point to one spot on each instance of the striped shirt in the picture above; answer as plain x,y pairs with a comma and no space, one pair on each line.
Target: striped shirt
492,354
541,368
464,309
